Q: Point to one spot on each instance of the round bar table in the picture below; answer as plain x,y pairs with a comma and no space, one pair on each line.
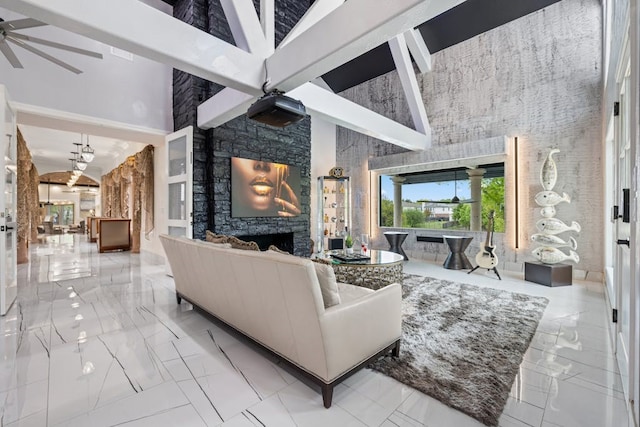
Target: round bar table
395,239
457,260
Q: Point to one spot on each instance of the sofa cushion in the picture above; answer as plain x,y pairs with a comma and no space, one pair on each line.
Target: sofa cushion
328,284
352,292
241,244
235,243
216,238
274,248
217,245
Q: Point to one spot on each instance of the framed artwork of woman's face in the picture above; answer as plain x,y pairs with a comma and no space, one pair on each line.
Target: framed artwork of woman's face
264,189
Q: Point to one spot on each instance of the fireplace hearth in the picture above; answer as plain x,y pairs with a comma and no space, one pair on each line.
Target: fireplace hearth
283,241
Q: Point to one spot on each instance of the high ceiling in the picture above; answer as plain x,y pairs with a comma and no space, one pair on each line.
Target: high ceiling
467,20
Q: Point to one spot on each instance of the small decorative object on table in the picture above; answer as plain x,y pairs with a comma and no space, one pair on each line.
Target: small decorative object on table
348,243
364,243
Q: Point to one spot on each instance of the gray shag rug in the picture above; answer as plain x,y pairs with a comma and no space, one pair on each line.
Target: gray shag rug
462,344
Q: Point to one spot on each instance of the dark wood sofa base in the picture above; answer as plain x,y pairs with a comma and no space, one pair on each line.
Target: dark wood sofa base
326,388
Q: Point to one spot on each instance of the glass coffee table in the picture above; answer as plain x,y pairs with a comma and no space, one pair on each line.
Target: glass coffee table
379,270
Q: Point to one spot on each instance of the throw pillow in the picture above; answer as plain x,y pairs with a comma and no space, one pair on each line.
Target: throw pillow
274,248
216,238
241,244
328,284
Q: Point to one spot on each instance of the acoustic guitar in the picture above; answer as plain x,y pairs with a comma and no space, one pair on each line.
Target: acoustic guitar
487,258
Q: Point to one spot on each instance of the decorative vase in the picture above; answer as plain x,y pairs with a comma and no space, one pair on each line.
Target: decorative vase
348,251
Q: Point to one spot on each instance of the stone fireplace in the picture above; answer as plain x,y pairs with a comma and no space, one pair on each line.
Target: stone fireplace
240,137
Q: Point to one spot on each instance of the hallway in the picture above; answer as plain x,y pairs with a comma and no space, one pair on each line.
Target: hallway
97,339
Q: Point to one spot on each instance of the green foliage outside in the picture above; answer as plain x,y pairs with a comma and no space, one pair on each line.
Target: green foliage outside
386,213
492,200
412,218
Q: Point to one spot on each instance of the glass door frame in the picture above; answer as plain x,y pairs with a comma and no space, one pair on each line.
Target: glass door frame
8,211
186,178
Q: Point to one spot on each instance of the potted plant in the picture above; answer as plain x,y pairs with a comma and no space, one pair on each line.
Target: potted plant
348,243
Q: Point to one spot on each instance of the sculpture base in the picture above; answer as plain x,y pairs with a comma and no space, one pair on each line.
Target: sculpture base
548,274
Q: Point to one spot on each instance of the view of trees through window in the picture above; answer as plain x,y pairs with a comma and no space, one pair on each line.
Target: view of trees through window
428,204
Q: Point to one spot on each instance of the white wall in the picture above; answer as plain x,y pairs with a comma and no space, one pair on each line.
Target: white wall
323,158
136,91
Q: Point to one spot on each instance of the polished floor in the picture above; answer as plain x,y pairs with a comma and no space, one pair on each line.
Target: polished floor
98,340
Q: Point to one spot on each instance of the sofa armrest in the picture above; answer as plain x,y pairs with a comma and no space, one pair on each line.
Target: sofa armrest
356,330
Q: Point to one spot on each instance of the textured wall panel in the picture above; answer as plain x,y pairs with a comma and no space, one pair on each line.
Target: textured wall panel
538,78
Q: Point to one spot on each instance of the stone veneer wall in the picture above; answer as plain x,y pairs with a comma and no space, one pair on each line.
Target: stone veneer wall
538,78
240,137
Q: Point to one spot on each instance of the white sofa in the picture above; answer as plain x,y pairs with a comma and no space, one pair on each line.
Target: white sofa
276,300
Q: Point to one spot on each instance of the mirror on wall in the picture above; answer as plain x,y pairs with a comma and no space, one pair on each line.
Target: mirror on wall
445,198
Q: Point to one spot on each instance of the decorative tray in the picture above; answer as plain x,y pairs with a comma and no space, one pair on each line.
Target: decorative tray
350,257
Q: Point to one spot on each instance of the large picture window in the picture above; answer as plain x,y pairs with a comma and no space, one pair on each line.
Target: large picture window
443,199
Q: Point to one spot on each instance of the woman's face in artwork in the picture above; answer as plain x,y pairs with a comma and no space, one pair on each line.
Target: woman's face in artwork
258,182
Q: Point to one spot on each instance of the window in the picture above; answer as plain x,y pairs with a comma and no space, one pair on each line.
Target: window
61,214
441,199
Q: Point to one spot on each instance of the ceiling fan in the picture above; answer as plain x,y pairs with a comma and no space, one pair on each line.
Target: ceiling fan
9,35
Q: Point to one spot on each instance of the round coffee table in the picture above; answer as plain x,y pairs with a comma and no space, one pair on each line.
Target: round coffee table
380,270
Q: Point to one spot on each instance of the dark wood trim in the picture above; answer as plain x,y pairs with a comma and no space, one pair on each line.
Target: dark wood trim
326,388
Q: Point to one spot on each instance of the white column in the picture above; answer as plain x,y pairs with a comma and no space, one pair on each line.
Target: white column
475,179
397,200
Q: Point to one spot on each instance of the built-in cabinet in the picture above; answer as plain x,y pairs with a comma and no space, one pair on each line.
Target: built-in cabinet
334,210
114,234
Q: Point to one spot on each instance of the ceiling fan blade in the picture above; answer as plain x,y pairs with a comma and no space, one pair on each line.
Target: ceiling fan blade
57,45
11,56
44,55
21,24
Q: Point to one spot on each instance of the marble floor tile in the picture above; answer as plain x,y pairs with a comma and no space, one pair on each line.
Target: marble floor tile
571,405
366,410
270,412
229,391
154,401
23,401
430,412
200,402
306,409
98,339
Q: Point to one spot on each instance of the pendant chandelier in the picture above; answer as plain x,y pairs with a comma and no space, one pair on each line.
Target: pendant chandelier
82,156
80,163
87,153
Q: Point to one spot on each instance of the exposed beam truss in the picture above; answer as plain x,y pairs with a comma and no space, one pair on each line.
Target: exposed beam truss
412,92
349,31
318,10
335,109
173,42
419,50
331,33
246,27
268,22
